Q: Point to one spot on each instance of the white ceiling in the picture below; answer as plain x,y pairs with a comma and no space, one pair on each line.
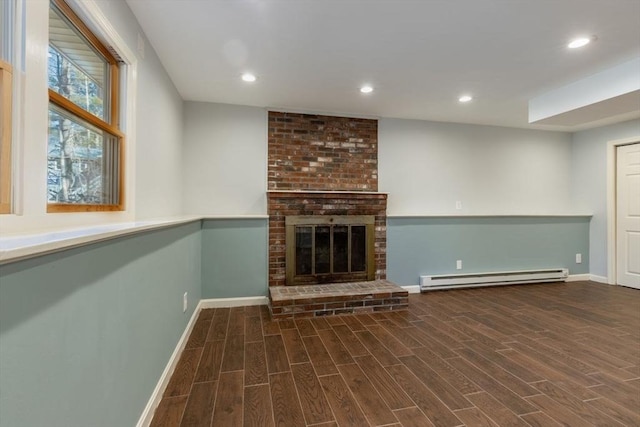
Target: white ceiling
419,55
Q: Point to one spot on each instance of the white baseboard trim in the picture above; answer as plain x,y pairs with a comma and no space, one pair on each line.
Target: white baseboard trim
156,396
578,277
413,289
599,279
233,302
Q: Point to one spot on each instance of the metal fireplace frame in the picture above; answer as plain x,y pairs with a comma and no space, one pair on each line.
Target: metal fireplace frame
291,222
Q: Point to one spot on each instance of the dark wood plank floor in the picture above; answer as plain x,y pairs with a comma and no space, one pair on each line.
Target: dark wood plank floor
562,354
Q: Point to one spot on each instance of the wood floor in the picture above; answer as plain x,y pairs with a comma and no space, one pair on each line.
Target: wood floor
565,354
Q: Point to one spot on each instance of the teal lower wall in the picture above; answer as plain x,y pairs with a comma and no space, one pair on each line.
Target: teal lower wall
426,246
85,334
234,258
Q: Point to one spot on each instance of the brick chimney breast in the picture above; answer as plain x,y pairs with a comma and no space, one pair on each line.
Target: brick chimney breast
322,165
322,153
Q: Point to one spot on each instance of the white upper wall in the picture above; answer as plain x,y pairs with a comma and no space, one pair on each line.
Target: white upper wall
426,167
224,159
158,138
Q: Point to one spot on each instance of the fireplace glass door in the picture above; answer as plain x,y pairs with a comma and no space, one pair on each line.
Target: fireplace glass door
328,249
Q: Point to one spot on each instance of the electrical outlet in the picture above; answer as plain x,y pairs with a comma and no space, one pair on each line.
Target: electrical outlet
459,264
578,258
458,205
185,301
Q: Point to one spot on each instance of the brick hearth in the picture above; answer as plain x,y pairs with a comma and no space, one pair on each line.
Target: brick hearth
335,299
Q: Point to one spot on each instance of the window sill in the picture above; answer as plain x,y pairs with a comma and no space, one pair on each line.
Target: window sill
19,247
23,246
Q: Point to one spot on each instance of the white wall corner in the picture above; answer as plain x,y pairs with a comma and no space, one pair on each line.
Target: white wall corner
599,279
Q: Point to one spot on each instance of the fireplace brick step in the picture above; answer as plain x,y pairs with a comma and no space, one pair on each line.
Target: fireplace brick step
287,302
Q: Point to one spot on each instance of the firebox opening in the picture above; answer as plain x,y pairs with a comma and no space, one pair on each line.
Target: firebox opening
329,248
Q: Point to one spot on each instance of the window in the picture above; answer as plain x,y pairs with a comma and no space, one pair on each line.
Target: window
85,144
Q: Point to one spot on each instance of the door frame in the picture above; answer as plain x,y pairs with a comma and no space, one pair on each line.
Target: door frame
612,146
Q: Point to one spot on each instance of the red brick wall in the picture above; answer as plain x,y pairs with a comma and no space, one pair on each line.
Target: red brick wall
281,204
313,152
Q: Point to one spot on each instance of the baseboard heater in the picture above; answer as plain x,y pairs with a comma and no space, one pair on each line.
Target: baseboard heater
450,281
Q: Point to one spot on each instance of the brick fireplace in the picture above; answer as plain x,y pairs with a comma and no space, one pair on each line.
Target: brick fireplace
322,166
326,167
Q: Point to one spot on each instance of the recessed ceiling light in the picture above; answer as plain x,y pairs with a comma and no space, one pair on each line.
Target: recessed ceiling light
465,98
579,42
366,89
248,77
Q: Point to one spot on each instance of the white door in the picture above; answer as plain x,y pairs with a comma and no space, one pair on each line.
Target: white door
628,215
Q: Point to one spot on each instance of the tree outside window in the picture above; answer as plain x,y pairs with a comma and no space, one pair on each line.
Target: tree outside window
84,143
